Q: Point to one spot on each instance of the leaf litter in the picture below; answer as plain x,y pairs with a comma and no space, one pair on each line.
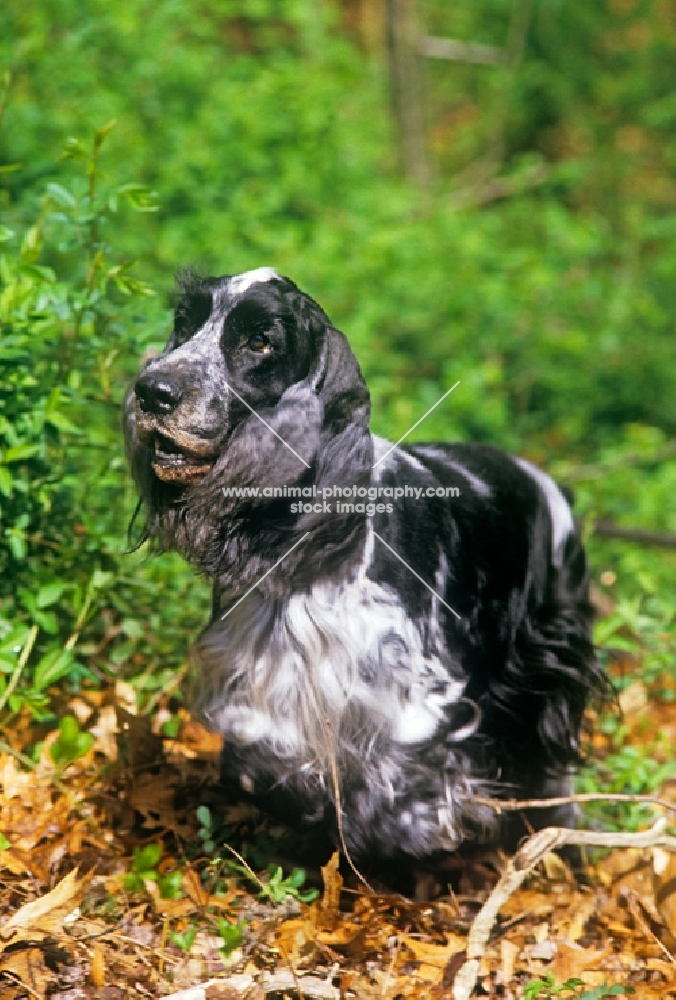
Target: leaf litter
106,891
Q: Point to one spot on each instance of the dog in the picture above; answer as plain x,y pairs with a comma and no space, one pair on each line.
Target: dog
389,657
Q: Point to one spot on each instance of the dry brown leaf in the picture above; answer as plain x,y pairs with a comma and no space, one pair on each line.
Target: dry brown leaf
329,905
633,699
105,732
434,958
28,965
664,888
556,869
14,861
508,956
582,908
572,961
97,968
45,916
666,969
138,745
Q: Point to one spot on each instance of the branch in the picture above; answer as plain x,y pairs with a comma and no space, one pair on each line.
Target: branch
523,862
339,808
513,805
280,982
496,188
469,52
581,473
608,529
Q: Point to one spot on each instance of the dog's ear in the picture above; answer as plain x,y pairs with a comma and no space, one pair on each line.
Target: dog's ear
345,452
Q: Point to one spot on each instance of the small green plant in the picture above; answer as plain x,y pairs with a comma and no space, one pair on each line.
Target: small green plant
278,889
184,939
206,831
572,989
144,868
62,294
72,743
275,888
232,935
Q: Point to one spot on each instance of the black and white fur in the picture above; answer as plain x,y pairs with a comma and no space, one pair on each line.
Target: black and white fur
340,655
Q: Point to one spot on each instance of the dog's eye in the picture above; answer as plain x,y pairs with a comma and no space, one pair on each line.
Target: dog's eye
259,343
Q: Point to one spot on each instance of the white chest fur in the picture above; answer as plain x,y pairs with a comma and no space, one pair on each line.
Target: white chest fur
343,657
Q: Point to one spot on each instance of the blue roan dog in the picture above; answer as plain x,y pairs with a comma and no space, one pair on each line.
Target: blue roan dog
432,649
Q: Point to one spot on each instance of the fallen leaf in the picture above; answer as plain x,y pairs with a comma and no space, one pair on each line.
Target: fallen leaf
508,954
664,889
433,958
572,961
97,969
45,916
28,966
329,905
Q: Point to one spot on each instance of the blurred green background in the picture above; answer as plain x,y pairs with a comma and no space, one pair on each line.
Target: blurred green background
525,246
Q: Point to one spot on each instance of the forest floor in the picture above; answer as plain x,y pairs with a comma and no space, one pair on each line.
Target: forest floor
115,883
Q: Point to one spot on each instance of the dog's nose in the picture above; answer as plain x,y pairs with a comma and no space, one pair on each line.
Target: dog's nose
158,393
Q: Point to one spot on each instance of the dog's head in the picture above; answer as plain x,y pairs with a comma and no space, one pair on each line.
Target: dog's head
255,388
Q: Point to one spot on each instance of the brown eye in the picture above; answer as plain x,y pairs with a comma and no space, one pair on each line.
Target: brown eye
259,343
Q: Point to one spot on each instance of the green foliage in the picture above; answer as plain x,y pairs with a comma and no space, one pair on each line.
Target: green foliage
553,308
275,888
64,318
184,939
278,889
232,934
71,744
547,989
144,868
645,626
206,831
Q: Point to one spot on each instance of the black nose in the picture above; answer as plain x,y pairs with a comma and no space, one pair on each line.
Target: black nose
157,393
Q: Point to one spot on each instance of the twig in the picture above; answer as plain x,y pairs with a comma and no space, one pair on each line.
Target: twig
496,188
249,869
6,748
19,982
514,805
393,959
279,982
581,473
523,862
339,808
482,186
469,52
23,660
634,904
608,529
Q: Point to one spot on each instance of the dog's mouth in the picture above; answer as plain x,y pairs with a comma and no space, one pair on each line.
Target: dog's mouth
173,464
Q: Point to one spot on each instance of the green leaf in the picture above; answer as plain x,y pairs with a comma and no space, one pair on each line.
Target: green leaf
4,843
61,196
204,817
62,423
71,744
232,935
20,452
185,940
52,667
49,594
147,858
171,885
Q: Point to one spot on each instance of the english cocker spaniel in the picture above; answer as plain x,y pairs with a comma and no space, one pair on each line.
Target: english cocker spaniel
406,626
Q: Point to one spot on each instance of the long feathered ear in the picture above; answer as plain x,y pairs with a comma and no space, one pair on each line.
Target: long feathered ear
345,453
